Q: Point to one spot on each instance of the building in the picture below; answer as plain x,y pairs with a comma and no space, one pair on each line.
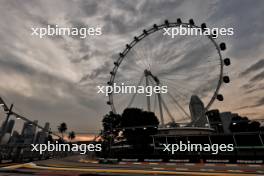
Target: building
197,111
220,121
215,120
226,118
42,136
28,132
6,131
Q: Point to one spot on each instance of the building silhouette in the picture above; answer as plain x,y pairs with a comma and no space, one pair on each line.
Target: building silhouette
198,111
42,135
28,132
220,121
6,131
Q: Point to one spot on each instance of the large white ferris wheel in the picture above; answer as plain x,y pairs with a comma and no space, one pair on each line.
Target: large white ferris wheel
188,65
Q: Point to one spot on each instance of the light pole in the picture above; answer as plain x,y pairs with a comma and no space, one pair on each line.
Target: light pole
10,112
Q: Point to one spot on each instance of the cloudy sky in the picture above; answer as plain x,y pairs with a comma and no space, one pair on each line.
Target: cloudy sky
54,79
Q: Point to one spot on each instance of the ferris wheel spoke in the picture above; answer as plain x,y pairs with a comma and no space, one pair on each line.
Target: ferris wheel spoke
178,86
179,94
177,103
205,66
143,52
155,103
182,79
140,59
182,82
182,96
178,113
190,83
167,110
158,51
149,52
177,91
134,95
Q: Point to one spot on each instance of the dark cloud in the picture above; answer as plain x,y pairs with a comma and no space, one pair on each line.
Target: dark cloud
260,102
127,6
255,89
253,68
11,65
247,86
165,8
90,8
115,25
52,67
96,72
258,77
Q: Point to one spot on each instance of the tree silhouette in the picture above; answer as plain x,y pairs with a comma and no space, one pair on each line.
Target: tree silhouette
71,135
62,128
138,125
111,123
253,126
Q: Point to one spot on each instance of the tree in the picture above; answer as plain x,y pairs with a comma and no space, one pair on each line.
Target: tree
62,129
254,126
138,125
111,123
71,135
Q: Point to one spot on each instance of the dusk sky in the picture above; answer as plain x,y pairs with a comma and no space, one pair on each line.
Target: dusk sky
54,79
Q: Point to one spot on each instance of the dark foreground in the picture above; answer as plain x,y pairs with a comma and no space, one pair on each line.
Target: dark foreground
79,166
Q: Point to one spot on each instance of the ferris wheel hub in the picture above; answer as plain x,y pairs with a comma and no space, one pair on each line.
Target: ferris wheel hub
155,78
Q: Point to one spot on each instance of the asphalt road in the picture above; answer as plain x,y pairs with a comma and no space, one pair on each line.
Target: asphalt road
79,166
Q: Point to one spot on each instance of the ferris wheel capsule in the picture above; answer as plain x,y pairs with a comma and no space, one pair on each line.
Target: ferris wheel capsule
167,23
227,62
191,22
220,97
222,46
121,54
226,79
203,26
116,64
179,21
155,26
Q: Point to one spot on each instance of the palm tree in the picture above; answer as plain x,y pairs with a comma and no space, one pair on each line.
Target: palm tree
62,129
71,135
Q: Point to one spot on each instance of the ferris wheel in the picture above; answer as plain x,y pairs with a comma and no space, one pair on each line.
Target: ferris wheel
187,65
